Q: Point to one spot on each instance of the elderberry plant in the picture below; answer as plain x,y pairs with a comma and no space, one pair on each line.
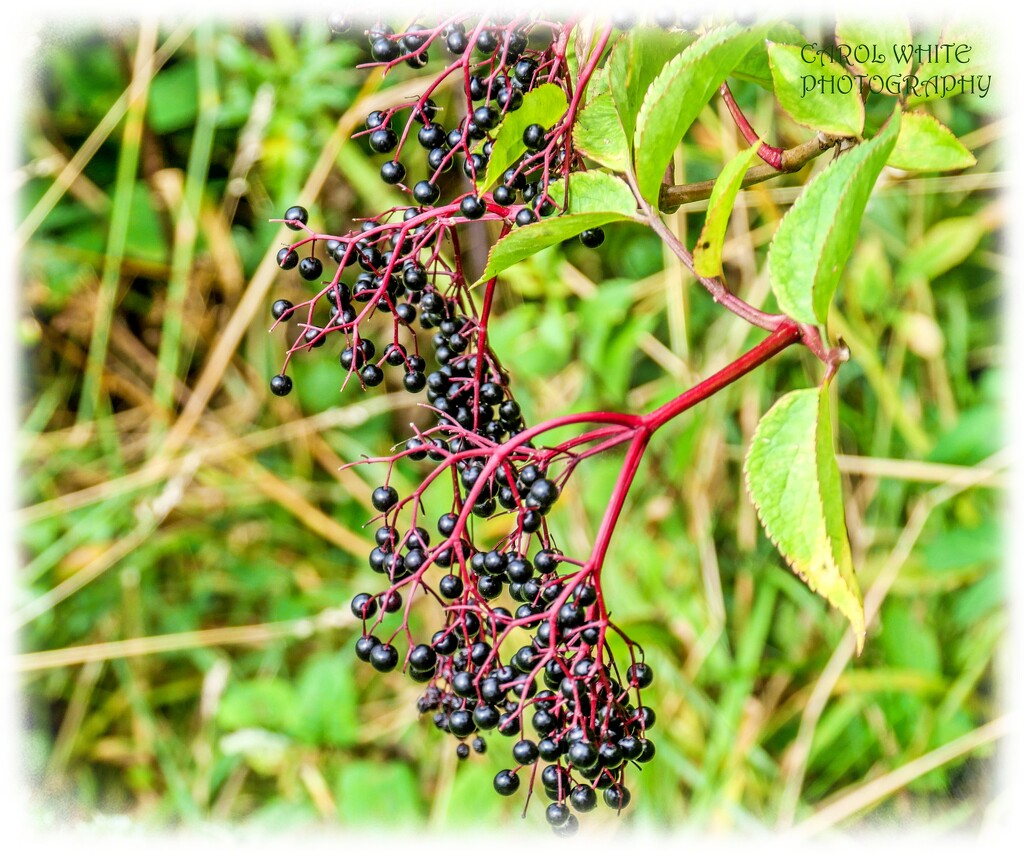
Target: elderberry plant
561,129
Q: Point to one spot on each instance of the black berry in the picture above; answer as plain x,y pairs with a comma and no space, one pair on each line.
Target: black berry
287,258
281,384
310,268
296,217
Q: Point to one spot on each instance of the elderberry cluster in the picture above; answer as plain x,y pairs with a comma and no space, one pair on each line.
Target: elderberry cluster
397,299
586,722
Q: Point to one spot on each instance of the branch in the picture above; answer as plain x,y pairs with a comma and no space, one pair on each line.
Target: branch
791,160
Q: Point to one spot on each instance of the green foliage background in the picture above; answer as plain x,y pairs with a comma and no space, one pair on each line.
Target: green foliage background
185,634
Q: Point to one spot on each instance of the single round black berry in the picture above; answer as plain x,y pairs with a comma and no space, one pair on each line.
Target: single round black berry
280,308
384,657
281,384
365,646
296,216
431,136
582,755
641,675
371,375
384,498
287,258
392,172
422,657
617,797
472,207
426,192
525,752
525,217
385,50
364,606
533,137
310,268
383,140
556,814
583,798
592,237
506,783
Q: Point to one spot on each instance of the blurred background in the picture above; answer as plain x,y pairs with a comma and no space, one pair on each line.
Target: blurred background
189,546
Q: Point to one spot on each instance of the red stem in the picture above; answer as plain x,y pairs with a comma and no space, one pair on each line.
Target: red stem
768,153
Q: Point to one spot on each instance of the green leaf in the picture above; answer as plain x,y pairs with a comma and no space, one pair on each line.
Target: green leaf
327,702
598,134
870,48
677,96
944,246
595,198
543,106
376,793
264,703
598,84
927,145
755,67
821,96
707,257
815,238
173,98
794,482
964,69
635,63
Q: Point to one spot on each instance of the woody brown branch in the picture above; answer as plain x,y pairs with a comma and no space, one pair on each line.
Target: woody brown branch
793,159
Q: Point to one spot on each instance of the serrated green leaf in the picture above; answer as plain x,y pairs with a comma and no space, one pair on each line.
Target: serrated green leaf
821,96
707,257
677,96
543,106
938,75
635,63
869,44
793,479
927,145
598,84
595,199
754,66
815,238
598,134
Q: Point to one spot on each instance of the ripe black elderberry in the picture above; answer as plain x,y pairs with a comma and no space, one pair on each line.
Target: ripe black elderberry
384,657
425,192
280,308
506,783
287,258
383,140
296,217
525,216
504,195
385,50
392,172
592,237
310,268
472,208
281,385
384,498
533,137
